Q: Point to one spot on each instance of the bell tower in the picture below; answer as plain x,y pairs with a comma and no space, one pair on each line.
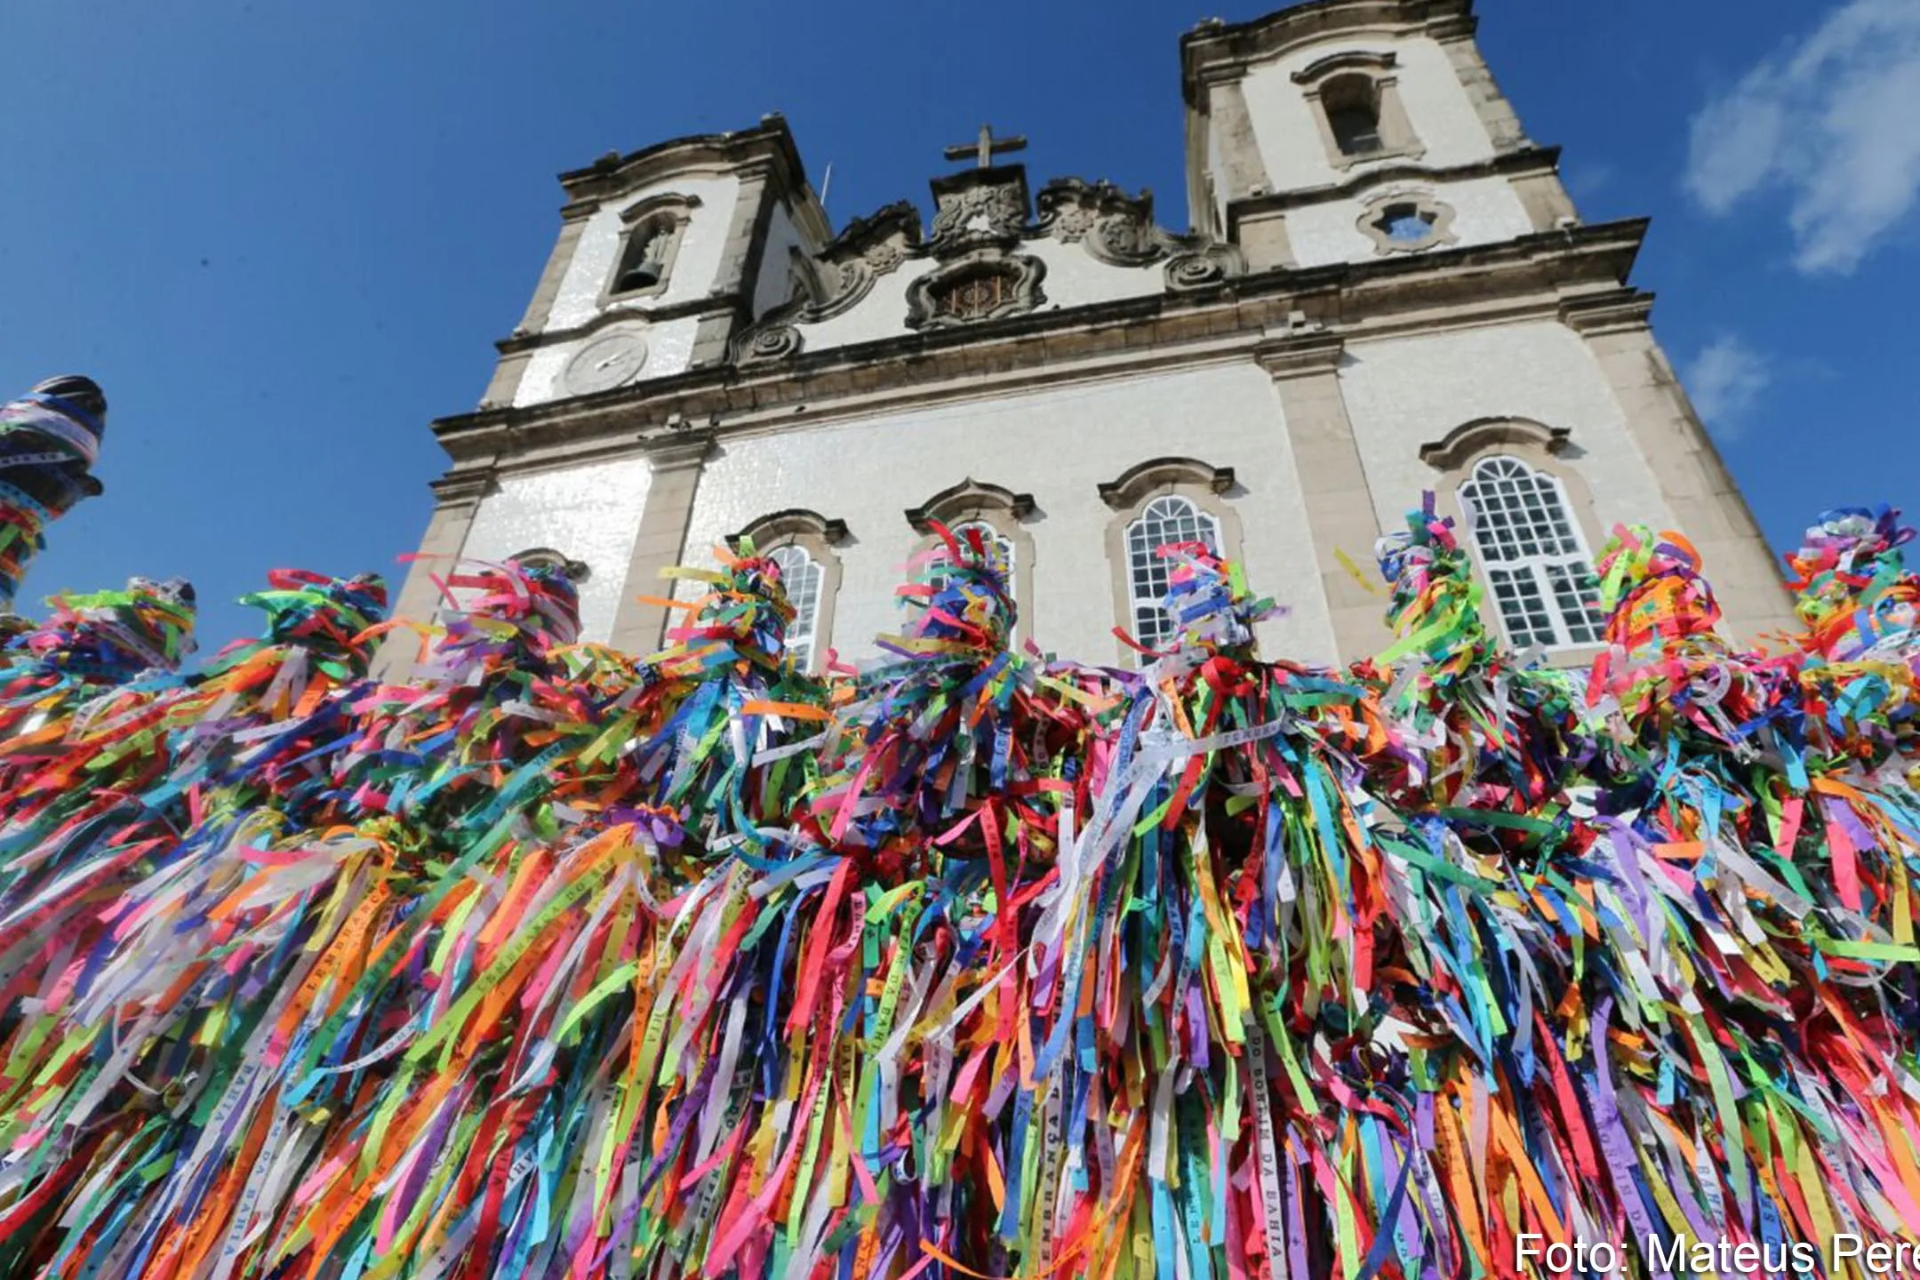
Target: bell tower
663,256
1354,130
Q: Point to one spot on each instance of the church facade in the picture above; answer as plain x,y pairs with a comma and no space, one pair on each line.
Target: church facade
1385,290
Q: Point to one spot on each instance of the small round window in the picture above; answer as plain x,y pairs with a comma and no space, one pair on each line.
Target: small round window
1404,224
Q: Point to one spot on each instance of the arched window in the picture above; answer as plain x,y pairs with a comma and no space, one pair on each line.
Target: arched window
1353,113
1355,99
803,543
999,514
643,265
1163,521
1535,560
989,535
653,229
1009,560
802,577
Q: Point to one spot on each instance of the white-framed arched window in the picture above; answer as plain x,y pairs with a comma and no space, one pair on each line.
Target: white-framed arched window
1162,522
1534,557
1009,559
989,535
802,576
999,514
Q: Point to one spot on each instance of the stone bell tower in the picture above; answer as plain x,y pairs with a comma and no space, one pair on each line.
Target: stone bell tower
1483,341
1337,132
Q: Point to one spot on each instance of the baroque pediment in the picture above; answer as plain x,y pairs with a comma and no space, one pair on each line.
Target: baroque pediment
980,259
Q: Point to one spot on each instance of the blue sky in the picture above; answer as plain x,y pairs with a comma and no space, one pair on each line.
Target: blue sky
283,236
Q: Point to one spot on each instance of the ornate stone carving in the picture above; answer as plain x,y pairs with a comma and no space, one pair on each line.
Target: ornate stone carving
839,276
1114,227
867,249
1208,264
985,285
767,342
978,209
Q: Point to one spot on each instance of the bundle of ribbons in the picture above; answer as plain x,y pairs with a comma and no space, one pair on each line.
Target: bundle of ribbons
49,442
964,961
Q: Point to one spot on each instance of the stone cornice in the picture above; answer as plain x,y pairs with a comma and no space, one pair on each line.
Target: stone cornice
678,449
968,495
1275,311
1125,490
1213,51
791,521
457,488
725,303
1295,354
768,146
1511,164
1345,60
1468,438
1607,311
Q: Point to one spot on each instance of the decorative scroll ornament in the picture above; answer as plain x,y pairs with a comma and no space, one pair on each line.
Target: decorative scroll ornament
867,249
1207,265
1114,227
768,342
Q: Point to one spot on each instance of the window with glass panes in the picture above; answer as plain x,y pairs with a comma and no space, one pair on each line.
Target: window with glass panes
802,576
1534,558
1161,523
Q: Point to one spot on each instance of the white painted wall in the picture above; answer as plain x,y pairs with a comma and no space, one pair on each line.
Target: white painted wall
1076,278
881,314
1402,393
1486,211
695,267
1436,103
589,513
1058,444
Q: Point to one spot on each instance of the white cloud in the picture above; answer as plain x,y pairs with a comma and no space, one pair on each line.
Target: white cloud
1726,380
1830,120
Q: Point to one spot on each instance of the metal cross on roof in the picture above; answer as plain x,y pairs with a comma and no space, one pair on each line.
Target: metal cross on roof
987,147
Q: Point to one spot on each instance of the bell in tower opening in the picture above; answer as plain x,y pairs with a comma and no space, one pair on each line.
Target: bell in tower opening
645,264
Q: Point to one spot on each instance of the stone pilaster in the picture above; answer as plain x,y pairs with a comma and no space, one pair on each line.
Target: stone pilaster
1693,480
513,365
1305,367
1455,36
456,499
660,544
561,258
739,263
1246,172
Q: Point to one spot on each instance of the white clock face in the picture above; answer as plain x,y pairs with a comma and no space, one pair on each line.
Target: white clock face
607,361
